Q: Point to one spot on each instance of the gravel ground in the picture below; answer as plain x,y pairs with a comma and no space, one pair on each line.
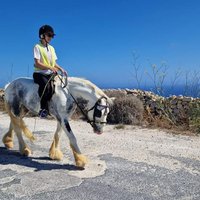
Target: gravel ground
129,163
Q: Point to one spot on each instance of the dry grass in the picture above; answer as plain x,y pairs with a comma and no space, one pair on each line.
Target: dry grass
2,108
120,126
194,117
126,110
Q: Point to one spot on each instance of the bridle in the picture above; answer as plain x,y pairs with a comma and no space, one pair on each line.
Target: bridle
96,113
97,110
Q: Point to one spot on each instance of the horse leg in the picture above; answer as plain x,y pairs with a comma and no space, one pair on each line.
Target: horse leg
26,131
23,147
18,125
55,153
8,138
80,159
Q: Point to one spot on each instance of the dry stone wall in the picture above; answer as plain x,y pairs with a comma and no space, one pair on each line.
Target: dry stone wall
175,109
1,100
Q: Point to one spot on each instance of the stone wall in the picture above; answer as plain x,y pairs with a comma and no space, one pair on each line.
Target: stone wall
174,109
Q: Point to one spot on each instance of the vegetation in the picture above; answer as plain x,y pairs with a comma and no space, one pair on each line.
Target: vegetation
194,117
1,100
120,126
126,109
158,74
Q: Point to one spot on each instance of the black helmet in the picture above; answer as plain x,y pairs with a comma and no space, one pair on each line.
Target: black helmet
45,29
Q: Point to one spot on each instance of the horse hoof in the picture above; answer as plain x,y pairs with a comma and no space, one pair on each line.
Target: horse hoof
56,155
9,145
8,142
26,152
81,160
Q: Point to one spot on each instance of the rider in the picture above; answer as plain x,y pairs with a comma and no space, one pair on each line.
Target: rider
45,67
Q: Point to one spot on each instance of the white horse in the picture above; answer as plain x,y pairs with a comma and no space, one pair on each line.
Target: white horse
21,96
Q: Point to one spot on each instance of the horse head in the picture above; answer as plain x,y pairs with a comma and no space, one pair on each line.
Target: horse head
97,103
97,115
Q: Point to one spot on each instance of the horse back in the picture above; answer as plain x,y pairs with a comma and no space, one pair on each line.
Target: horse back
22,92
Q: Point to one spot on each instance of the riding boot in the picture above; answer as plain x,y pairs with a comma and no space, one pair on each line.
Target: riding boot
44,111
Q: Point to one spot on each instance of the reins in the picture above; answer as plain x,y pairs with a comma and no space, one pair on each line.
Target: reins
65,84
52,78
82,111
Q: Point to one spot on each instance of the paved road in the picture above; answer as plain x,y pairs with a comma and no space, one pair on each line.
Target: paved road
111,174
122,180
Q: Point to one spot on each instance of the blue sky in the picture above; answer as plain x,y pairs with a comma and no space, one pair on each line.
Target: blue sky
95,39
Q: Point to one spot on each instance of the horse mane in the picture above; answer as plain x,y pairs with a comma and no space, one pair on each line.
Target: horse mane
87,83
6,85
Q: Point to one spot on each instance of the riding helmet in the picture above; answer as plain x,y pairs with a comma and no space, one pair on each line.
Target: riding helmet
45,29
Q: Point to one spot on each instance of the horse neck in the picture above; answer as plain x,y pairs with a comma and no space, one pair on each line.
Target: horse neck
85,93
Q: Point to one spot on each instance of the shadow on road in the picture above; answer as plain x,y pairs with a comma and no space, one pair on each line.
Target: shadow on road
13,157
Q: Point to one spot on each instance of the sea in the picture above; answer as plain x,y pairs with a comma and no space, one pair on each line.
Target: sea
165,92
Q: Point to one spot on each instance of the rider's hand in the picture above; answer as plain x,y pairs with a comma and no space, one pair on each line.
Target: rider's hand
54,70
65,73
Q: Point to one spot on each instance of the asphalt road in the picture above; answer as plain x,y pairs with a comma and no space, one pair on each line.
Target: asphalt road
109,175
122,180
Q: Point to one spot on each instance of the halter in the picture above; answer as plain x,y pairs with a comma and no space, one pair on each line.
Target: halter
95,108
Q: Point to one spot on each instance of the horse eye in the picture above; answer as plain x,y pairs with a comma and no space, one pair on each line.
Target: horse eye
99,102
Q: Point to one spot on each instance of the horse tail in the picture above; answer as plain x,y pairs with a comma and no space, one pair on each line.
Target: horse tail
18,121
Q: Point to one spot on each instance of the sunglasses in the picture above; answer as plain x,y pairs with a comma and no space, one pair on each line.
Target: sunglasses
50,35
